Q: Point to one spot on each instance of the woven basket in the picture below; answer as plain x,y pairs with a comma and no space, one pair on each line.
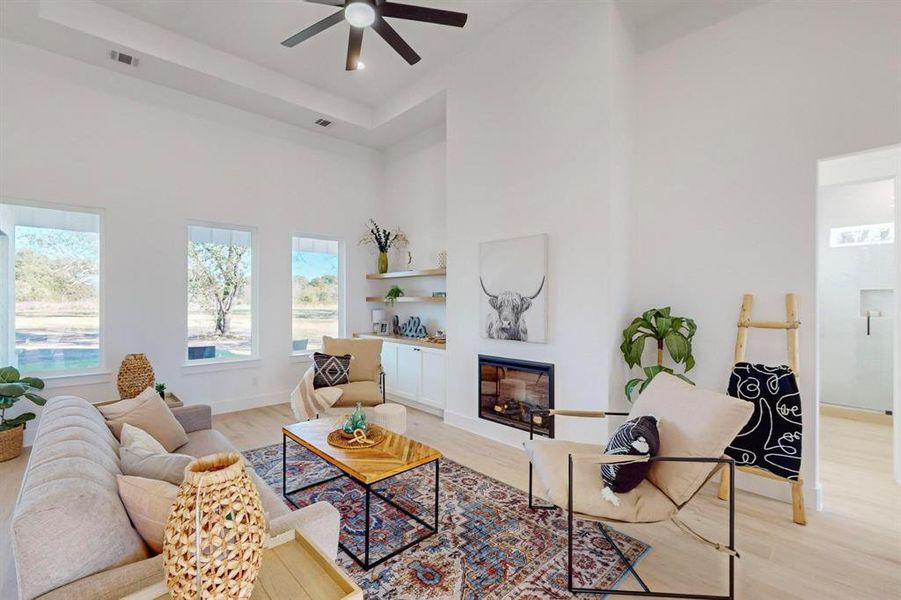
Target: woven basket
11,443
135,375
217,494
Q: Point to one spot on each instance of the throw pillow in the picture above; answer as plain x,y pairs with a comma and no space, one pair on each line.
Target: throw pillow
367,362
148,503
133,437
149,412
329,371
140,462
635,437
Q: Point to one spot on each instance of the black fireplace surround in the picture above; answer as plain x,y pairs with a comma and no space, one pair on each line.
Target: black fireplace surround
509,389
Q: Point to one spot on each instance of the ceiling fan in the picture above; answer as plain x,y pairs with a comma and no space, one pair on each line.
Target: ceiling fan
361,14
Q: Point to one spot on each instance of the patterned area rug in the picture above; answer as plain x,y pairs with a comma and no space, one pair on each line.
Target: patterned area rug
489,543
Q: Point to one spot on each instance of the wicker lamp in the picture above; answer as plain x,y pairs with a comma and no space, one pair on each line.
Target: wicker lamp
213,542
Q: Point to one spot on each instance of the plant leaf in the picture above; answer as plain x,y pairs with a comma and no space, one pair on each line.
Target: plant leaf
39,400
684,378
689,361
12,390
9,375
33,382
18,420
630,387
677,345
664,325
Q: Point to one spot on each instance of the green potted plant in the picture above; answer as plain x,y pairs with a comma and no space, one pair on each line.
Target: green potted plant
393,294
675,334
161,390
13,387
384,240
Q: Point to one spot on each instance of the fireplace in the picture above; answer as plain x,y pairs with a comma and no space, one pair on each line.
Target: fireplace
509,389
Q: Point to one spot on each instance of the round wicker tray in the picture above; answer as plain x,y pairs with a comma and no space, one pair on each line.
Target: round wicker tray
339,439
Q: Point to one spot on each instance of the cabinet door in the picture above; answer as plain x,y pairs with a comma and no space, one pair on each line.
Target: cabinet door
432,388
389,365
409,370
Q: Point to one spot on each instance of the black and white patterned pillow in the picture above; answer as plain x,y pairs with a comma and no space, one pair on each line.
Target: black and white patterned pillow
635,437
330,370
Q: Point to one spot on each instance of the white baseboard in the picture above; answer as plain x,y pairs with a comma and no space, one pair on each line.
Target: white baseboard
485,428
238,404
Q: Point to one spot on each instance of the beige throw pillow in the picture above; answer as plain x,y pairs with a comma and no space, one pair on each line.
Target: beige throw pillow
132,437
149,412
367,356
695,423
141,462
148,503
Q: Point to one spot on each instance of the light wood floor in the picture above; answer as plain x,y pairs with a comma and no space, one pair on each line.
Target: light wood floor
850,550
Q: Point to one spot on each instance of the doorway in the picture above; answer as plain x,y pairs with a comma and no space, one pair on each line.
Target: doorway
858,321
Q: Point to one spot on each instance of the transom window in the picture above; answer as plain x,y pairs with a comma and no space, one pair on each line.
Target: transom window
50,289
316,292
221,318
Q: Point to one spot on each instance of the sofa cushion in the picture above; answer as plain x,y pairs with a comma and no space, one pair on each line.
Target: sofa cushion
149,412
366,393
69,521
166,466
693,422
205,442
550,462
134,437
148,502
367,356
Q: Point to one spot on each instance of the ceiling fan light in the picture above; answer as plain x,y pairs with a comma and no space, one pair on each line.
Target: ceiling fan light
359,14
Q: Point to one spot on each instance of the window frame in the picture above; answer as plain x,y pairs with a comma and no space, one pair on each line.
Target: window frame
215,364
98,373
342,289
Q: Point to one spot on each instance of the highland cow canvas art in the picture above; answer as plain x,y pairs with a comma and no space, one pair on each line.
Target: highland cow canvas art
513,289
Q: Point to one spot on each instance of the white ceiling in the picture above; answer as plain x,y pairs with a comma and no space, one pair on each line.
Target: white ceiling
253,30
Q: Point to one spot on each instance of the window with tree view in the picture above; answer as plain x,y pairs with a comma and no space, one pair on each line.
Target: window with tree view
220,293
316,292
51,274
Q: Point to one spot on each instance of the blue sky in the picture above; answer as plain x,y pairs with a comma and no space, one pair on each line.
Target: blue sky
313,264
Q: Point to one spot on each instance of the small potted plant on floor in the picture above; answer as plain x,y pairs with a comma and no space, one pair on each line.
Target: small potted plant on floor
13,388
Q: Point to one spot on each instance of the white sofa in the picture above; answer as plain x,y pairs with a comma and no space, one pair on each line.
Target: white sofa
71,536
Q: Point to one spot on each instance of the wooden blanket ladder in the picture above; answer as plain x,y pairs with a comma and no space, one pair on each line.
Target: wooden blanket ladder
791,324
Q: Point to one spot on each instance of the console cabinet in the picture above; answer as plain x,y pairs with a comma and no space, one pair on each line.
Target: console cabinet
414,374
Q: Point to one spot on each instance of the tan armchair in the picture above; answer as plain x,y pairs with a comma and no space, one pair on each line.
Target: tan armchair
366,379
696,425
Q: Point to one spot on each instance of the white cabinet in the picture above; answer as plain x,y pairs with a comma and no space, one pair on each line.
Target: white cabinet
415,374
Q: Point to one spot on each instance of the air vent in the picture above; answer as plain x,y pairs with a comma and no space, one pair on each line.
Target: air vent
123,58
323,122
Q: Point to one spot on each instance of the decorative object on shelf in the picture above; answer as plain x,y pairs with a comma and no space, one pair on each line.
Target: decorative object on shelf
378,317
213,543
374,435
409,260
393,294
439,294
513,274
442,259
395,325
384,328
135,376
413,328
675,333
161,390
13,387
383,239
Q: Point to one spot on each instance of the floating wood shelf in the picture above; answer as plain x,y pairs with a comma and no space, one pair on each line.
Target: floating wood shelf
433,299
403,274
399,339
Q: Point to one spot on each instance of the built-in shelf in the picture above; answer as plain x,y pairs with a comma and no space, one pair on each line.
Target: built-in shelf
399,339
432,299
404,274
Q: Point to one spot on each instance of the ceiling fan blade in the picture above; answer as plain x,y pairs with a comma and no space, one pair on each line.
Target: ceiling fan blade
328,2
354,44
314,29
422,13
395,41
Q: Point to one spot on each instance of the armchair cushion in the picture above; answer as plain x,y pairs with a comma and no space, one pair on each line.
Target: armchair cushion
693,423
550,461
367,356
367,393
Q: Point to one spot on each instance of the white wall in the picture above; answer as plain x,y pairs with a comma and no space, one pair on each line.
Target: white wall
152,159
415,200
530,129
731,122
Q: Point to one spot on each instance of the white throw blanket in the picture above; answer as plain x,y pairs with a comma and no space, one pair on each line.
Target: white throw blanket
307,401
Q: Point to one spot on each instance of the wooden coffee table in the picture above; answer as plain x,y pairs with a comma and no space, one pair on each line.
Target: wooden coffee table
394,455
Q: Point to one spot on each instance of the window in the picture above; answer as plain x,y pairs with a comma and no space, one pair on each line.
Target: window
316,292
221,315
51,267
862,235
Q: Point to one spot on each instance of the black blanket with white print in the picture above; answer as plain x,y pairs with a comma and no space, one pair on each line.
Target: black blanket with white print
771,440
